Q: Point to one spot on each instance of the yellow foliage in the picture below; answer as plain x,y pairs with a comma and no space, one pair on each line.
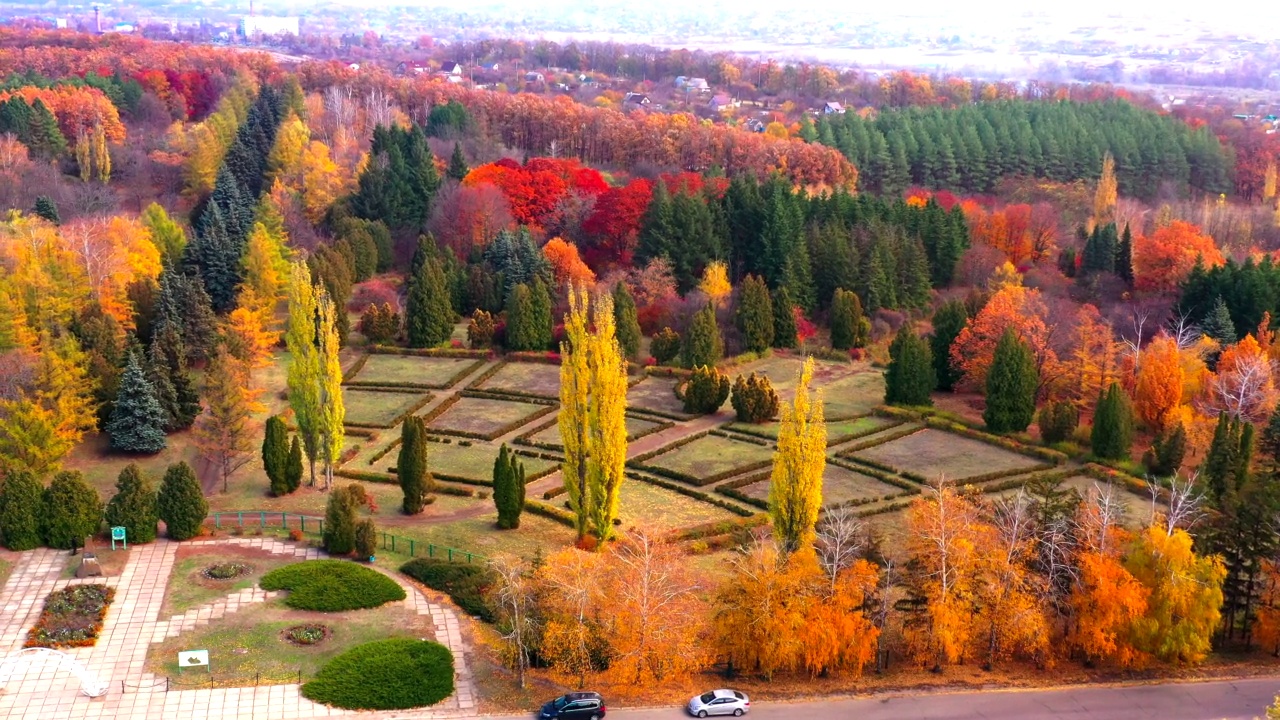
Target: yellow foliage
322,181
1184,606
795,487
715,282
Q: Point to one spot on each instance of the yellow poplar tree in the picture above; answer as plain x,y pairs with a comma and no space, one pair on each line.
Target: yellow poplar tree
574,382
1186,595
715,282
1104,197
795,489
322,181
261,259
304,362
285,158
329,384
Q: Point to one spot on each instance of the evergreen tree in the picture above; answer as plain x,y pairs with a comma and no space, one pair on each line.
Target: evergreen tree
754,317
174,386
429,314
185,306
1058,421
1217,323
950,319
508,489
529,318
71,511
754,399
1219,471
705,391
137,419
1112,436
180,503
909,379
784,319
339,535
411,465
1269,443
1167,452
293,468
1011,386
43,137
366,539
1124,256
275,455
540,314
457,164
20,511
702,342
665,346
133,507
849,327
46,209
627,320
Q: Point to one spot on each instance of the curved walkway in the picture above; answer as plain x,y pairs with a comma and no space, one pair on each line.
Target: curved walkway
36,692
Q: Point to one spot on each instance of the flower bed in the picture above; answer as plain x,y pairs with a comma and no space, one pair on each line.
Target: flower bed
72,617
309,634
226,570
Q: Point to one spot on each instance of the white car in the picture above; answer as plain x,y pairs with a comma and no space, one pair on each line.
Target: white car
719,702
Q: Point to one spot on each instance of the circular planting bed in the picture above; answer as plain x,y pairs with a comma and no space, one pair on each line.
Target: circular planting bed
226,571
332,586
393,674
309,634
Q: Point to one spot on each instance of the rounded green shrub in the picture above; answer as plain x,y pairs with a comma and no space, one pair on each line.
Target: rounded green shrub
394,674
706,391
465,584
332,586
665,346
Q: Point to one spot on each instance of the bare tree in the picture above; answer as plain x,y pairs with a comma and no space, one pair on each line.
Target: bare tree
1185,502
378,108
1184,331
1245,389
514,596
1102,512
1133,345
838,542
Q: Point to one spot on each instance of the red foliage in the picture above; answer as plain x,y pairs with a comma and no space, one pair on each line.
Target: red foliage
614,225
373,292
805,330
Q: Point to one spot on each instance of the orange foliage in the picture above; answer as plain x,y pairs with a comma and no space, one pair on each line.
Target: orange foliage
1012,306
1107,601
565,263
1094,362
113,253
1158,386
79,110
1165,258
1243,384
1021,232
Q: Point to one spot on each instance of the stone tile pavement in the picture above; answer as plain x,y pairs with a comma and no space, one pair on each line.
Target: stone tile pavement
40,690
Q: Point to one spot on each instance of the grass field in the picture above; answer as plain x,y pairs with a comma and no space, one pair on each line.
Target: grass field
526,379
412,370
644,505
1137,506
847,390
711,455
838,431
247,647
933,453
838,486
485,416
377,408
474,462
188,587
655,393
635,426
480,534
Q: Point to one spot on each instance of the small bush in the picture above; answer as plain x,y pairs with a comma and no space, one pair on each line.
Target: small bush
332,586
380,324
754,399
481,329
1057,422
706,390
309,634
226,570
366,539
464,583
665,346
393,674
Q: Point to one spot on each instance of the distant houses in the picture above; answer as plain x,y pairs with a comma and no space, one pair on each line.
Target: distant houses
833,108
689,84
721,102
636,100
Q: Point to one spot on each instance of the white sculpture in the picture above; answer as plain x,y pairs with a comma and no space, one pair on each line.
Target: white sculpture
90,685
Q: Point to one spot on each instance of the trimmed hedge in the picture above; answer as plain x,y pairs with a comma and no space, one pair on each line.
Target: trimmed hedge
1130,482
720,527
700,481
984,477
856,465
332,586
394,674
883,509
667,371
355,368
554,492
545,357
893,434
745,437
374,477
480,354
695,494
484,376
668,448
438,410
497,432
389,386
466,584
934,419
384,451
360,432
1012,483
563,517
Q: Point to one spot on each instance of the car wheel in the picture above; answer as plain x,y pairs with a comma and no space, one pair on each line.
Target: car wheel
595,717
702,713
737,713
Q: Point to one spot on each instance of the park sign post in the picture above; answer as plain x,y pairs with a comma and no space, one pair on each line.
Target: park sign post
118,533
193,658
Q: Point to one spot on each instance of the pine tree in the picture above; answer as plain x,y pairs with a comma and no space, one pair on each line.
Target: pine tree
950,319
339,535
627,320
795,487
167,370
540,320
849,327
702,342
909,379
71,511
784,319
457,164
275,455
429,314
1112,436
133,507
1217,323
520,333
754,317
137,419
705,391
411,465
20,511
1124,256
46,209
1269,443
1011,386
1058,421
508,489
1167,452
293,468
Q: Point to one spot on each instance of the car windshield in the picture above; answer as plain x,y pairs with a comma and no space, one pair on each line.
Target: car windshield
561,702
738,695
707,697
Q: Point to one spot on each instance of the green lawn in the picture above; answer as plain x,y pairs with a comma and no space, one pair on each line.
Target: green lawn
475,462
644,505
188,588
838,431
838,486
538,379
635,426
711,455
485,416
933,453
413,371
656,393
847,390
380,409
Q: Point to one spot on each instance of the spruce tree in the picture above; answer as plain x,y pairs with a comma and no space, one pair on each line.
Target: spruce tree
1124,256
71,511
519,310
180,503
754,317
1011,386
542,323
429,314
508,489
626,319
1269,442
46,209
950,319
1112,436
457,164
411,465
1167,452
133,507
339,535
702,342
1058,421
909,379
784,319
175,388
275,455
293,467
1217,323
20,511
849,327
137,419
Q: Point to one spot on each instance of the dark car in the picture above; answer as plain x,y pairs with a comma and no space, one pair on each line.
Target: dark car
575,706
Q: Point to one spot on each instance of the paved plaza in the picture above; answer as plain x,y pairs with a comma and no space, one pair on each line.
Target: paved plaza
41,690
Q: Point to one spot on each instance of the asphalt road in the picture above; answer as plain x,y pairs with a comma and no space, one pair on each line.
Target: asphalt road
1233,700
